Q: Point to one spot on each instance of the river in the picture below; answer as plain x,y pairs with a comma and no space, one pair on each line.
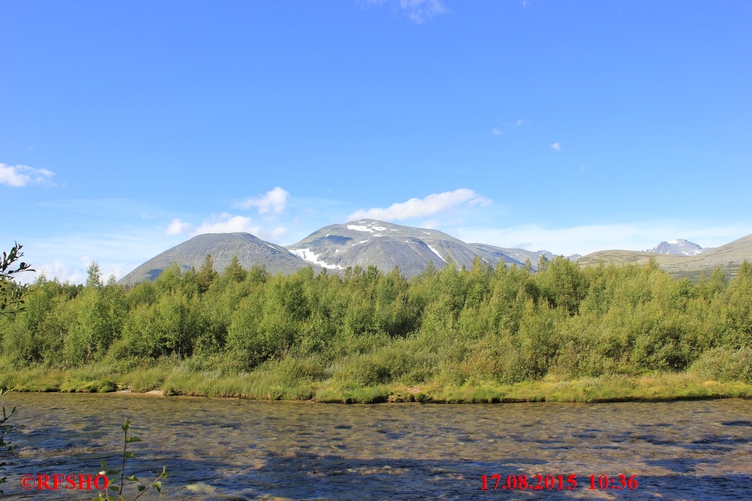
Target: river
227,449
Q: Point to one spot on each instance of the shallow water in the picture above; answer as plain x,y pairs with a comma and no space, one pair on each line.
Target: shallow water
239,449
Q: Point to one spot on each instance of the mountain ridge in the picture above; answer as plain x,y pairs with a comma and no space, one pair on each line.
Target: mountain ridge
728,257
369,242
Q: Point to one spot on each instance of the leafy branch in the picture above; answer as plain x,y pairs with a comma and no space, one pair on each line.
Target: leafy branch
11,294
11,301
157,483
4,428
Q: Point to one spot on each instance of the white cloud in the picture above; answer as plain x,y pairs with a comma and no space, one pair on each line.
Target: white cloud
420,10
21,175
416,10
496,131
227,223
67,255
60,271
555,146
273,202
177,227
416,207
273,234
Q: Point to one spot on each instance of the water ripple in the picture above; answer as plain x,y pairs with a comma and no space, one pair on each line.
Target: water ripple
228,449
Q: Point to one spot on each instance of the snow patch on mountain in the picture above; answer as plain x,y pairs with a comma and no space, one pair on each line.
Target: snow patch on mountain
436,252
311,257
367,226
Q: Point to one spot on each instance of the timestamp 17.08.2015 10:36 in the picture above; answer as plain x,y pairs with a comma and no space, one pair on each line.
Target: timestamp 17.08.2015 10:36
556,482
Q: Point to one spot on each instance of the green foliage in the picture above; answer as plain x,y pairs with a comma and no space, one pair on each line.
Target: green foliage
562,284
37,336
93,276
451,326
725,364
12,294
235,271
98,323
113,474
169,326
169,280
143,293
206,274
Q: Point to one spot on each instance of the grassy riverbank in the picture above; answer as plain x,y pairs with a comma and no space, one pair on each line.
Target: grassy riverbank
179,379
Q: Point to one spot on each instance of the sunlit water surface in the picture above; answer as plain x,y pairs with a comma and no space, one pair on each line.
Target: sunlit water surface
238,449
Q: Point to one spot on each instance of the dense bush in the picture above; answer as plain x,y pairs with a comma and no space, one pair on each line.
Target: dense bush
725,364
367,327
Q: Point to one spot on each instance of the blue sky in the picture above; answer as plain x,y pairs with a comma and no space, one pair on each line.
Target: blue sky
571,126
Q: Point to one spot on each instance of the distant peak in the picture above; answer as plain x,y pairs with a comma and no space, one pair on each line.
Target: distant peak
678,247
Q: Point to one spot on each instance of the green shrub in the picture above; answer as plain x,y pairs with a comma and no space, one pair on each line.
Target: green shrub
725,364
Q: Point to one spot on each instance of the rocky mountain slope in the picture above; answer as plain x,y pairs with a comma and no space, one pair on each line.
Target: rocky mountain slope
222,247
357,243
385,245
368,242
679,247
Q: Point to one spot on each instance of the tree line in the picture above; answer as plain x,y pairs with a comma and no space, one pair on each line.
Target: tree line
370,327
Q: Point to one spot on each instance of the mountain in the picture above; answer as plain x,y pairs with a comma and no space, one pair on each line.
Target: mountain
494,255
678,247
385,245
728,257
222,247
368,242
358,243
625,256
